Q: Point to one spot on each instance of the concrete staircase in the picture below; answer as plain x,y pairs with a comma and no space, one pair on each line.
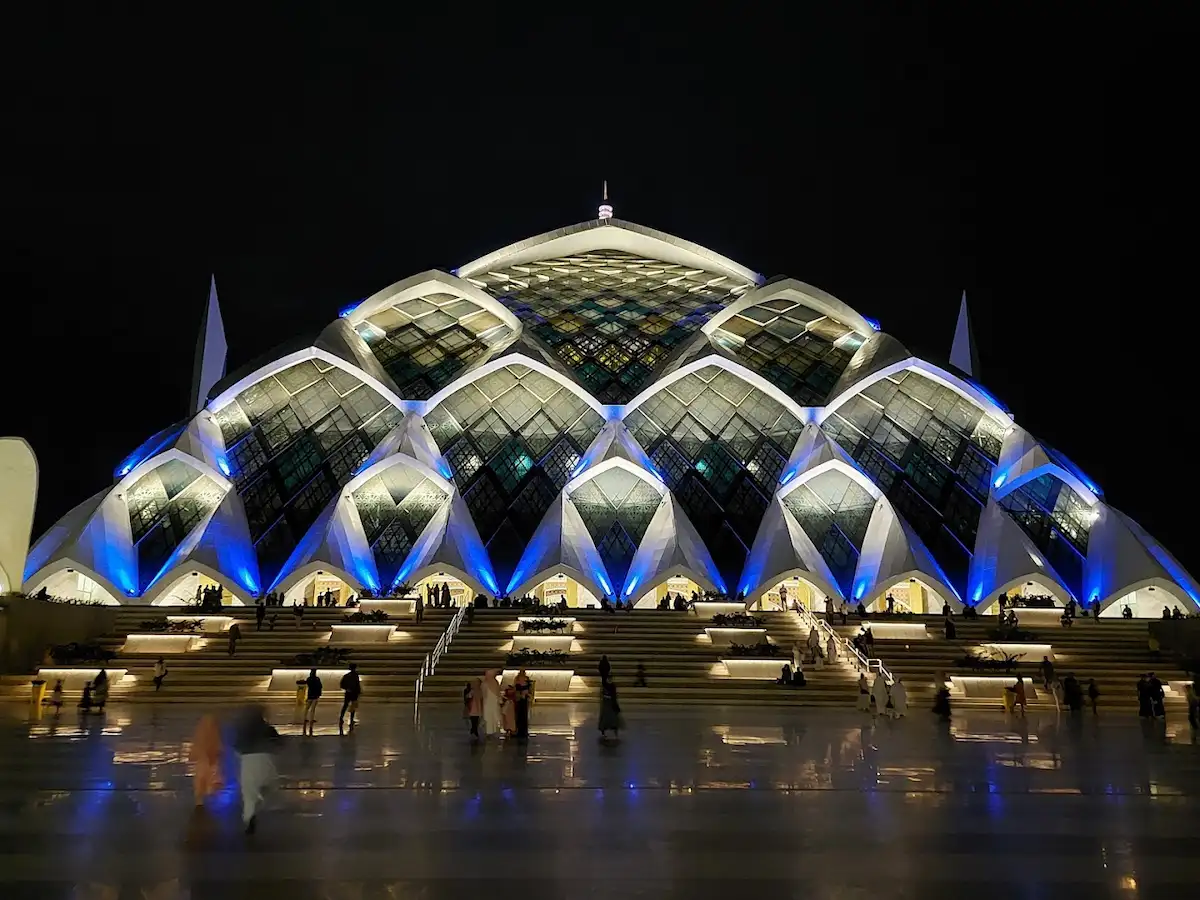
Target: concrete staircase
207,674
682,665
1114,652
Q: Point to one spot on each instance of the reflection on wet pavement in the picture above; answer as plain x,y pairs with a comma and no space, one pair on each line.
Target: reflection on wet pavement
696,802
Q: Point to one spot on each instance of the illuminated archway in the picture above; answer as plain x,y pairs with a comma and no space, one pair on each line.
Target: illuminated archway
682,582
551,585
795,587
1146,600
1035,584
187,585
912,593
74,582
313,586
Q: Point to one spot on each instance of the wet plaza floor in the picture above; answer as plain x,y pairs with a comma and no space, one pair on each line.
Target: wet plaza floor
692,803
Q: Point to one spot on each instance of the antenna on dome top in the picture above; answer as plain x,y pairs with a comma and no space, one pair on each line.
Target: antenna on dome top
606,210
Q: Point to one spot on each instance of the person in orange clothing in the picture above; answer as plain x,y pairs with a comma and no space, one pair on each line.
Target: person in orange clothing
206,756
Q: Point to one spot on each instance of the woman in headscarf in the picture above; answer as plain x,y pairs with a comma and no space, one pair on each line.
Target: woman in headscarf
206,757
491,703
831,650
879,693
864,693
610,711
473,705
524,697
899,698
814,642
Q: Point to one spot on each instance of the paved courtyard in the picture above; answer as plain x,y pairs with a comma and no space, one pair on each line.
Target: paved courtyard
692,803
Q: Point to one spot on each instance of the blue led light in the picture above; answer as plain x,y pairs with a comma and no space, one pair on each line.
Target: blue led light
977,593
1000,480
223,465
874,323
632,584
346,310
858,591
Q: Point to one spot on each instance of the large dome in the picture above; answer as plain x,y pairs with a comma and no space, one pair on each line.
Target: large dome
619,408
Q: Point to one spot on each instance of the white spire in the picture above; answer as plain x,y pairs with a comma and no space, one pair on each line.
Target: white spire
963,353
209,367
606,210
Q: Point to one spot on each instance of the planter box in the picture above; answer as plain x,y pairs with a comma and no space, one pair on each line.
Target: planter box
764,669
723,637
208,624
393,607
162,644
75,677
988,686
707,609
1032,653
544,680
899,631
543,642
361,634
285,680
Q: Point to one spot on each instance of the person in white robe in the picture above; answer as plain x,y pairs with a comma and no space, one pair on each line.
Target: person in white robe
879,693
491,703
831,650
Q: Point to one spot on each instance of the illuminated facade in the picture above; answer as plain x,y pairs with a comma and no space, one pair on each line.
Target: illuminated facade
605,410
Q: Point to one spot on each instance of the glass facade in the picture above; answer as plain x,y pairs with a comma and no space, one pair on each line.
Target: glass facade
164,506
616,506
425,342
1058,521
834,512
394,507
932,452
611,317
720,444
293,440
797,349
512,439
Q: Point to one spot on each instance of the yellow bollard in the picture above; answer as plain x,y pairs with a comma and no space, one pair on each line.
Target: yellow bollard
37,694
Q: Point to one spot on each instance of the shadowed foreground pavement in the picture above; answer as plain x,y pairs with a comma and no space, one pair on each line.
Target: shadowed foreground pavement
699,803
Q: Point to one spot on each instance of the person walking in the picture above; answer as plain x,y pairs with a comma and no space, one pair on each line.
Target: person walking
235,635
879,694
160,672
490,709
1143,695
420,608
473,706
1046,668
205,756
605,668
610,711
1019,698
260,613
1157,698
256,743
831,650
445,595
1193,703
313,690
864,693
814,642
899,699
1093,693
351,687
100,690
524,697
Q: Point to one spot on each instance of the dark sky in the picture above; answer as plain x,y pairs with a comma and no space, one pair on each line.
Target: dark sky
1042,161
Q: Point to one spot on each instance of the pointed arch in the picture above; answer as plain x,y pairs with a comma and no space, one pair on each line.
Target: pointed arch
314,567
513,359
160,592
1057,589
790,289
813,579
41,577
1158,583
964,389
586,580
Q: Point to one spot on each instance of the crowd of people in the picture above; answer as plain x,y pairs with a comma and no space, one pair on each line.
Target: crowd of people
498,710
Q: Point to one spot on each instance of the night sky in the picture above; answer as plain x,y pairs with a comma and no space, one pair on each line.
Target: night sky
893,159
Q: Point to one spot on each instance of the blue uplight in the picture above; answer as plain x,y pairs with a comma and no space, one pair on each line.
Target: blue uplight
978,592
247,580
223,465
346,310
155,444
1000,479
632,584
874,323
859,590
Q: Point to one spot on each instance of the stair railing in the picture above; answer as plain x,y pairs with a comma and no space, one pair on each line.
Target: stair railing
429,666
857,659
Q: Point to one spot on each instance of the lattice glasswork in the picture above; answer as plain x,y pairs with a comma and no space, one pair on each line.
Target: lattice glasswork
1058,520
612,317
425,343
394,507
798,349
164,506
720,444
834,512
294,439
512,439
932,452
616,506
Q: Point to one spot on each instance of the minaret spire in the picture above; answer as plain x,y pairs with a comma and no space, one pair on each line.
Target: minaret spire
209,367
962,352
606,210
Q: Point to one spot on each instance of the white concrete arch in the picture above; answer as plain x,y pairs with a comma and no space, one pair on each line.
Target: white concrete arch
799,292
832,465
312,568
228,395
943,591
1168,587
149,465
439,568
40,579
388,462
512,359
662,578
160,593
1041,578
813,579
610,234
615,463
964,389
18,487
1004,483
432,282
570,571
803,413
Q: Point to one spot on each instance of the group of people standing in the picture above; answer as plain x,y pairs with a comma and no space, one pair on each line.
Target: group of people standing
498,710
882,699
314,687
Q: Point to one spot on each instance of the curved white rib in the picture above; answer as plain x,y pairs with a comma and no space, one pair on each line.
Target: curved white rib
798,291
433,281
928,369
512,359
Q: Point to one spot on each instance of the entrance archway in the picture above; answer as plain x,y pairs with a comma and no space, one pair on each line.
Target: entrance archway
1146,601
676,584
461,593
310,588
72,584
793,589
1028,590
190,586
911,595
559,585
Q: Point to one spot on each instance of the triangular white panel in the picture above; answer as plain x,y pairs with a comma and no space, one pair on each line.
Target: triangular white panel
1005,558
782,548
209,366
1120,560
813,449
892,553
671,546
962,351
615,442
561,544
450,542
335,540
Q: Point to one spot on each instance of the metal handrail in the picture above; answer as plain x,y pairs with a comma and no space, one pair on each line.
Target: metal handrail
858,660
429,665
